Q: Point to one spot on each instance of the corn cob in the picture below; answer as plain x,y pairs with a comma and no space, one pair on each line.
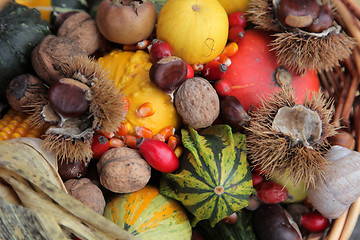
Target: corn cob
16,124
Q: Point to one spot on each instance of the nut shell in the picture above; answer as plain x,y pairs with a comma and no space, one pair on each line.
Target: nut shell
197,102
87,193
123,170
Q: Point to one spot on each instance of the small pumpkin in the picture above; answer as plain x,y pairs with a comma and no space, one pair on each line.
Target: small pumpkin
235,5
213,179
21,30
130,71
254,72
149,215
50,8
197,30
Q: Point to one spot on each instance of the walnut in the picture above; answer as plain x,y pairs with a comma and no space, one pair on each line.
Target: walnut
82,28
53,52
87,192
123,170
197,102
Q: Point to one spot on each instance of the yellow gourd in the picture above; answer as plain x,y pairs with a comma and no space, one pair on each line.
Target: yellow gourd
197,30
234,5
130,71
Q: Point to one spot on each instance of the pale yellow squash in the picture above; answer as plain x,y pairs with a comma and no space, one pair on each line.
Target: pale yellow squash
235,5
197,30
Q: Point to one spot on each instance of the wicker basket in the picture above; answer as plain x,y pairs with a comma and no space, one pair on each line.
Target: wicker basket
341,84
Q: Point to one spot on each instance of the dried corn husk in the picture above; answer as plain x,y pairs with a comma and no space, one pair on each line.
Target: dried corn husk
46,210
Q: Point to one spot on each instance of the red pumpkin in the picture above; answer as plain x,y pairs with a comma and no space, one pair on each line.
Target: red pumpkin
253,70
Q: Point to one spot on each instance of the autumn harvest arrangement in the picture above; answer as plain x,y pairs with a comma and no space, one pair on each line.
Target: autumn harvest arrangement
179,119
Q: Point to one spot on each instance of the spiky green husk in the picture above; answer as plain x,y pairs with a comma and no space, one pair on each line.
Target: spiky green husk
275,154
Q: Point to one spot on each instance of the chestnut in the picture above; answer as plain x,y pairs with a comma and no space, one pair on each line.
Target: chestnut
324,21
168,73
70,170
69,98
298,13
233,113
126,22
343,139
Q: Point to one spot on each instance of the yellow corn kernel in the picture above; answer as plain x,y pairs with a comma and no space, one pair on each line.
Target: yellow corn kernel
16,124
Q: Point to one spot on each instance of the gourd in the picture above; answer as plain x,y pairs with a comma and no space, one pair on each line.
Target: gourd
241,229
50,8
21,29
149,215
130,72
213,179
234,5
255,74
197,30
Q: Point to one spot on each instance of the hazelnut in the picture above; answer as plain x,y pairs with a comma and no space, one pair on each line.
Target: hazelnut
123,170
197,102
323,21
24,90
298,13
82,28
168,73
86,192
69,98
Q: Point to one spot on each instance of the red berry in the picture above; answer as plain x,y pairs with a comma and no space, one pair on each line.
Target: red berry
236,34
160,49
231,219
190,71
99,146
237,19
257,179
314,222
213,70
158,154
223,87
271,192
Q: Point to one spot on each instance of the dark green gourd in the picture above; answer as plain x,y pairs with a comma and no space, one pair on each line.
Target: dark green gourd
21,29
214,179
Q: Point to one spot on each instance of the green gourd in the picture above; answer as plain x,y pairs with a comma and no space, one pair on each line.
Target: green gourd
213,179
21,29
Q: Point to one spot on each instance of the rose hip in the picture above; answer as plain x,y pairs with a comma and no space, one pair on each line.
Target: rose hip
159,49
237,19
270,192
257,179
314,221
236,34
223,87
214,70
99,146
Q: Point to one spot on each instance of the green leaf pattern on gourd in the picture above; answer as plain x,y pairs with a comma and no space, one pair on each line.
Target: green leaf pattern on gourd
213,180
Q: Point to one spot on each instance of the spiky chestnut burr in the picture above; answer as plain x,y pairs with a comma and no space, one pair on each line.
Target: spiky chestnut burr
70,133
284,136
320,46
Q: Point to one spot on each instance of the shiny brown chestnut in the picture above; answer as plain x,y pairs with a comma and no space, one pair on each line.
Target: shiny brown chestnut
298,13
343,139
168,73
69,98
233,113
323,21
70,170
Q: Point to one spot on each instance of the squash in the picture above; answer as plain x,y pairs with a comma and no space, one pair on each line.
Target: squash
130,72
49,8
149,215
240,230
213,179
235,5
197,30
21,30
255,74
